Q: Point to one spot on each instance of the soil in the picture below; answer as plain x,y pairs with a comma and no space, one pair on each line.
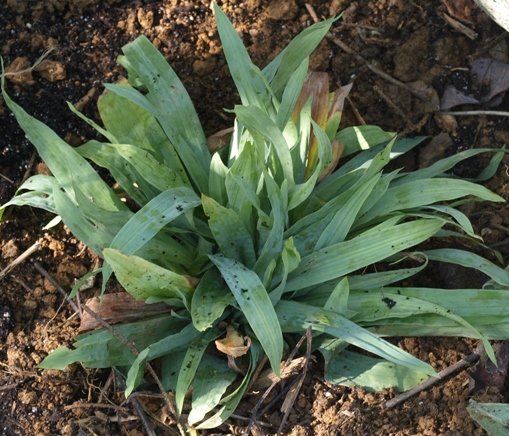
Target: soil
410,41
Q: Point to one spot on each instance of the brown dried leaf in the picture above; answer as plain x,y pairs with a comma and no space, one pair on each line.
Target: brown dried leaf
119,307
338,98
452,97
464,10
485,374
491,74
268,376
455,24
316,84
489,77
219,139
233,344
337,151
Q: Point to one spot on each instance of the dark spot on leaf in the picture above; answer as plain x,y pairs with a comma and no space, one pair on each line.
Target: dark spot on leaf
390,303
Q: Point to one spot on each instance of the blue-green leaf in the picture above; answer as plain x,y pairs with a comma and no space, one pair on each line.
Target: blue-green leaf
65,163
210,383
229,232
340,259
256,306
170,103
297,317
144,279
210,299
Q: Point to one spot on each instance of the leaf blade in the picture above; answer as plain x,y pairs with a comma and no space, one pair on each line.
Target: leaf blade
255,303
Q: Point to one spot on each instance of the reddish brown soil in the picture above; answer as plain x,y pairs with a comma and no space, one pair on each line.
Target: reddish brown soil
408,40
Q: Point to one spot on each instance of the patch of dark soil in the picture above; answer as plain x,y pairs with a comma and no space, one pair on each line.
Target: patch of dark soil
408,40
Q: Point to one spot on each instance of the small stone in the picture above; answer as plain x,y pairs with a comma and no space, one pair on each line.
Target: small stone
18,6
51,70
50,43
205,67
10,250
337,6
252,4
27,397
14,72
145,18
131,22
283,10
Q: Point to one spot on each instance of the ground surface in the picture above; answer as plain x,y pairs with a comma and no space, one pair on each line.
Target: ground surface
411,41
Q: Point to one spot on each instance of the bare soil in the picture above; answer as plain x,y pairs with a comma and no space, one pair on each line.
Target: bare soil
410,41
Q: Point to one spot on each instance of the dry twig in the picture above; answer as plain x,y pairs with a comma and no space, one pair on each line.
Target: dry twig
27,253
34,66
79,405
368,64
443,375
257,372
137,406
12,385
392,105
290,399
6,178
493,113
39,268
357,114
269,389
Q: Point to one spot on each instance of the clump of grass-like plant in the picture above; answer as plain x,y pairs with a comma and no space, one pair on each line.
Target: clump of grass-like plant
261,235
